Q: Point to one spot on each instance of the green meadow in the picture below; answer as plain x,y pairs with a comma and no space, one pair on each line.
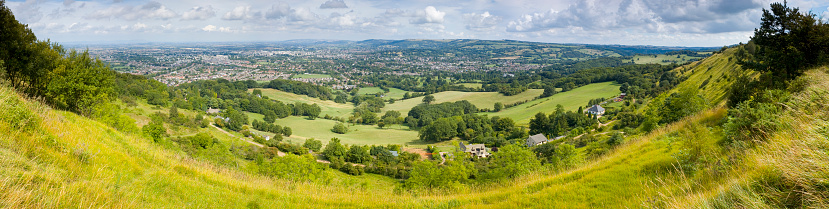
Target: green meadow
328,107
479,99
571,100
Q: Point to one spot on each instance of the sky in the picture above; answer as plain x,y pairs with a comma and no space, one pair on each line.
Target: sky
626,22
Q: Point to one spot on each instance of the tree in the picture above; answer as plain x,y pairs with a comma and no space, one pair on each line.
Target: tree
789,41
511,161
428,99
313,111
312,144
155,129
539,124
381,124
624,88
334,150
442,129
549,90
80,82
270,116
358,154
616,139
498,106
286,131
339,128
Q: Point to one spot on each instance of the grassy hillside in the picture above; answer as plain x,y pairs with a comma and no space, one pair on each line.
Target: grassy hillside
328,107
393,92
665,59
63,160
56,159
479,99
712,76
571,100
358,134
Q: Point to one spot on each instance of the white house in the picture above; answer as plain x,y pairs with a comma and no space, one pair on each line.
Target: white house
595,110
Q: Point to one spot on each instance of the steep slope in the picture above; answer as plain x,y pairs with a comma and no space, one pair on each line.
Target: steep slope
56,159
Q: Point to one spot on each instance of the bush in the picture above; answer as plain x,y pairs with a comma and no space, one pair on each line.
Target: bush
352,169
339,128
751,121
313,144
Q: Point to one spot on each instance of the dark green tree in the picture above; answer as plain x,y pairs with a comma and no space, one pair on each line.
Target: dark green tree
428,99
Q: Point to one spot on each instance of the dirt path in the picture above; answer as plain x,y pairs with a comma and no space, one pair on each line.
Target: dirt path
278,153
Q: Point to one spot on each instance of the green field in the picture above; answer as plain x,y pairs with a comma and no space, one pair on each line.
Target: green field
661,58
471,85
393,92
328,107
358,134
479,99
310,76
571,100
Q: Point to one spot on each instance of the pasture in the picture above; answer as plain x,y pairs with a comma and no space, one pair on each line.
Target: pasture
571,100
479,99
328,107
320,129
393,92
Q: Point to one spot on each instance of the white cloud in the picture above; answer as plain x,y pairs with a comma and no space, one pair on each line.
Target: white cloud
481,22
675,16
151,10
209,28
334,4
213,28
199,13
28,12
238,13
278,10
429,15
303,15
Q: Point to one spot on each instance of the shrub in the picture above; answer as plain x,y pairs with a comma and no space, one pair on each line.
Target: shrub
339,128
313,144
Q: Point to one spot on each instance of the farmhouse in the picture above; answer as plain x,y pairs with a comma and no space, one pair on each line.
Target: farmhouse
477,150
537,139
595,110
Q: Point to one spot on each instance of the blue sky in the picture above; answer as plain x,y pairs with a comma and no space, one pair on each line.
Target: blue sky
629,22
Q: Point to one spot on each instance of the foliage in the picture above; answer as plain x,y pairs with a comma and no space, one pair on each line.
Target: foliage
428,99
339,128
334,150
236,119
155,129
302,88
788,42
358,154
268,127
286,131
429,175
755,120
559,122
440,130
313,144
293,167
426,114
78,83
678,105
511,161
